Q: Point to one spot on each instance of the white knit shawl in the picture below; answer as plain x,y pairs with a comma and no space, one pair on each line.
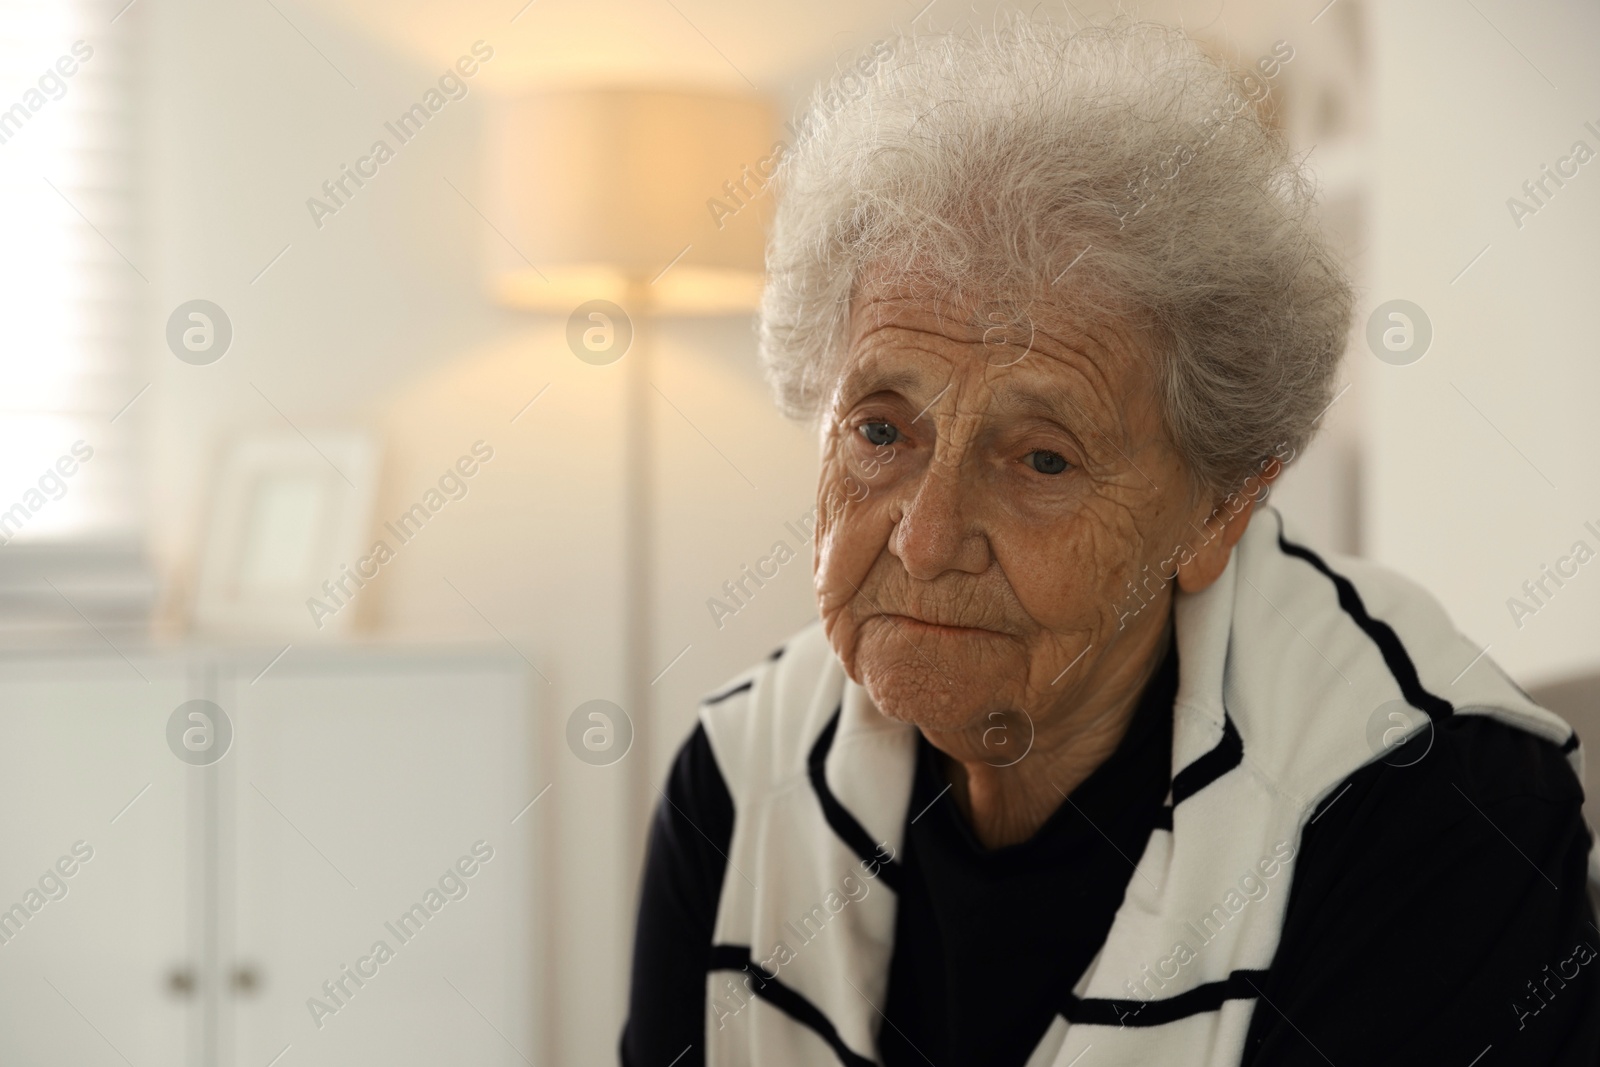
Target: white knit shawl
1277,683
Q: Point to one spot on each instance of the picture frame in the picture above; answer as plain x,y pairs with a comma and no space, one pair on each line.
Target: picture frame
287,513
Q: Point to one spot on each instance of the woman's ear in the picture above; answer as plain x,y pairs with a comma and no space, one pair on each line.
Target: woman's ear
1226,521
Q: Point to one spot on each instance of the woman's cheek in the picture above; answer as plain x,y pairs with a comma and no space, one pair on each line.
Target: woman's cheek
852,532
1057,578
832,528
845,540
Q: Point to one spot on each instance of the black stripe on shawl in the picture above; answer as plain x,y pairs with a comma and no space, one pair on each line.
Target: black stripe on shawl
787,1000
844,824
1224,757
1381,633
1240,985
731,691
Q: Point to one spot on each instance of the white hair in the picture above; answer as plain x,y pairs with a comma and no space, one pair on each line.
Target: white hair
1115,170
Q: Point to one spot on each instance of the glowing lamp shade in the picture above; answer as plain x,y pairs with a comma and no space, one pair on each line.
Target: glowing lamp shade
631,193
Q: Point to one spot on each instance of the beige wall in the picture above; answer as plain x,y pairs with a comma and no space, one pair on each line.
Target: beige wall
380,319
1464,121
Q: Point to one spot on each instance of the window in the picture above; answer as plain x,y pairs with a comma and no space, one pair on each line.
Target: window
69,274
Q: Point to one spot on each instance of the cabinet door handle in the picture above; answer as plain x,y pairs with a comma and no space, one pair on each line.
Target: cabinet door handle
245,980
181,982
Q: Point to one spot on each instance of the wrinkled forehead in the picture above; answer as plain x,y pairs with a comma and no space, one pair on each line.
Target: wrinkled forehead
1053,358
884,296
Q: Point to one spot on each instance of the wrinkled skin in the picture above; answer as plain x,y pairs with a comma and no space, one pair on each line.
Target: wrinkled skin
982,506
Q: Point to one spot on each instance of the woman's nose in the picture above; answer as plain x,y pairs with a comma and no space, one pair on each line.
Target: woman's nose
935,532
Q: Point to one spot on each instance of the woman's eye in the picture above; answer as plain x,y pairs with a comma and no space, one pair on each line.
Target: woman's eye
1046,462
879,433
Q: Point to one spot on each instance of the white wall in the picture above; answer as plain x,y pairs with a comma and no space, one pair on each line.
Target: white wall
1464,121
380,319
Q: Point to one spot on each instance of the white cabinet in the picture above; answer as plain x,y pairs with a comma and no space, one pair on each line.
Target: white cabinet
83,758
233,914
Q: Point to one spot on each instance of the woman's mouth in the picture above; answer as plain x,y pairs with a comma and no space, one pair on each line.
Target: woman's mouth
915,625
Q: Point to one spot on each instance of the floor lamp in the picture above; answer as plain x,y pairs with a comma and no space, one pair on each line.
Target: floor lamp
651,201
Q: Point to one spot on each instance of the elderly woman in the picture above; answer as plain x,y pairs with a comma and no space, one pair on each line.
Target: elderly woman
1088,760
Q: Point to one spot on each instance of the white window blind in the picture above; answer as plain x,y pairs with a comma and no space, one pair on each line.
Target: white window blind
70,273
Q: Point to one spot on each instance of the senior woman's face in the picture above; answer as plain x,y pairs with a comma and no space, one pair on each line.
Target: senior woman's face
997,499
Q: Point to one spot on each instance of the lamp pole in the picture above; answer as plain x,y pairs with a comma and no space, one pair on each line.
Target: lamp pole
639,543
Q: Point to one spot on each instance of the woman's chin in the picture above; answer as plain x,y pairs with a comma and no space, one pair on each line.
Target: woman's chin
940,679
930,695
